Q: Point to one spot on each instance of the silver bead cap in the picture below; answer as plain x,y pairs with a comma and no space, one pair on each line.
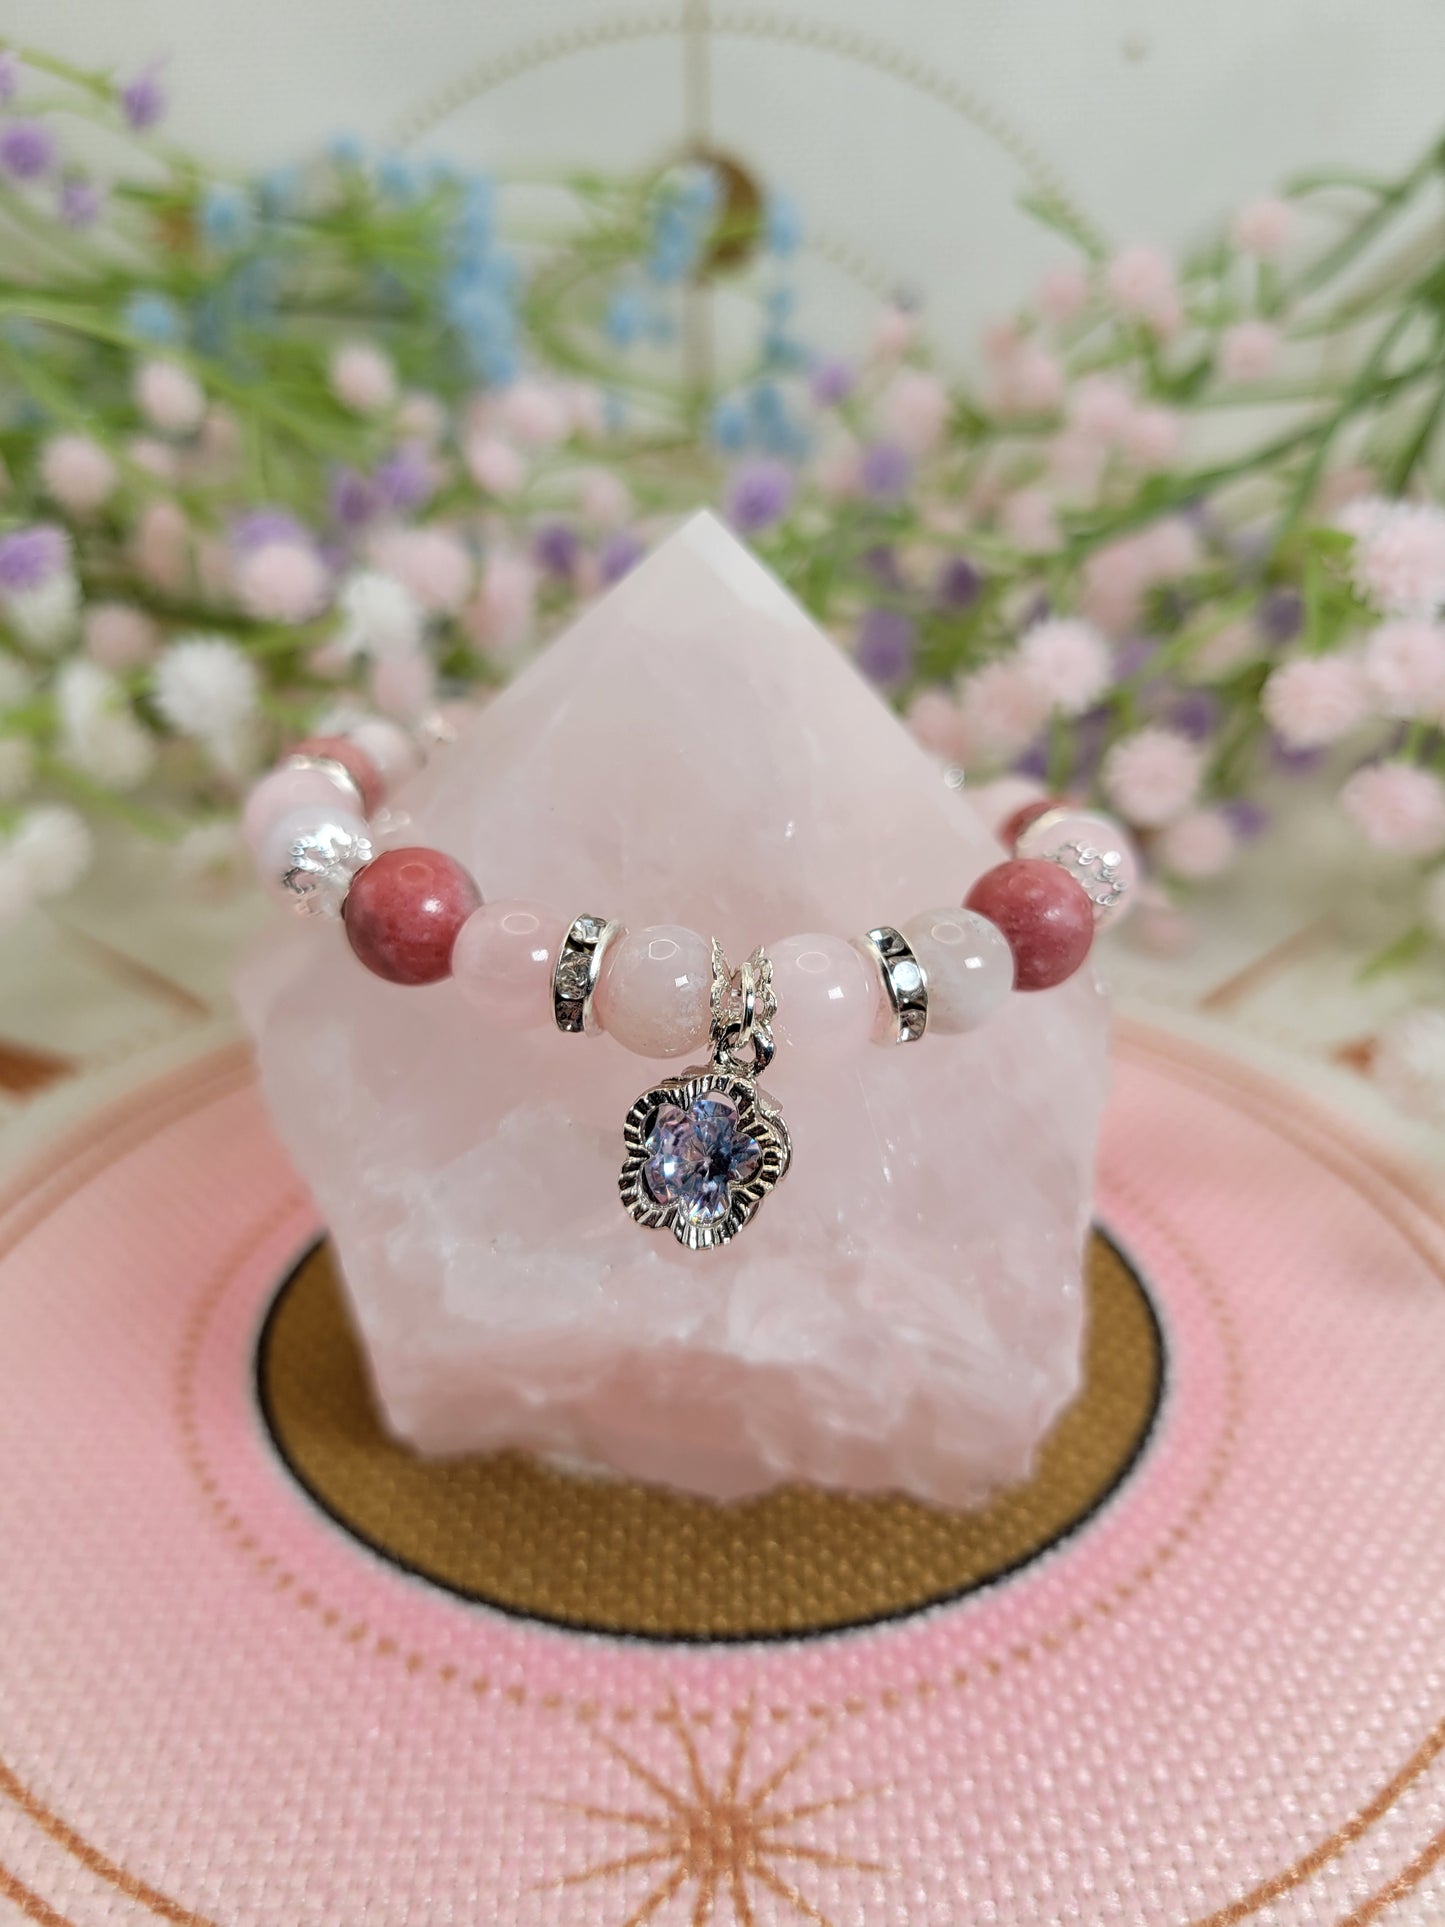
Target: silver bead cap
577,970
319,867
349,790
904,981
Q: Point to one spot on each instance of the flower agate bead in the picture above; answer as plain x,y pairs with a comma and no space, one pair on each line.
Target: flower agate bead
1043,911
968,964
404,912
354,760
827,997
308,858
655,994
503,961
292,787
1051,833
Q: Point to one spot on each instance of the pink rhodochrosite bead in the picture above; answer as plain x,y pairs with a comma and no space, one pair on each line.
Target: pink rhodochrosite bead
1045,914
655,993
1055,828
283,790
404,911
827,997
354,760
503,960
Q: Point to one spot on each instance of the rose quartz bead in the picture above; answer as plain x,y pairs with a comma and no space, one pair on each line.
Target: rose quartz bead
286,789
1045,914
503,959
354,760
968,964
1054,828
655,992
404,912
389,747
827,997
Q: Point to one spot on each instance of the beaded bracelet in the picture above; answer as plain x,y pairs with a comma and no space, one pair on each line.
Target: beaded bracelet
701,1149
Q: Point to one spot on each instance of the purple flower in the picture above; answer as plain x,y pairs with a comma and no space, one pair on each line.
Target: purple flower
1280,615
1294,762
1034,762
882,564
9,74
27,149
80,203
1247,820
832,382
620,553
885,646
1134,654
29,558
759,495
262,526
352,501
405,480
143,101
959,584
557,549
885,471
1195,714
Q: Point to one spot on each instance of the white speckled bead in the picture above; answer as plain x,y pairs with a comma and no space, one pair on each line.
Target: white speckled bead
655,993
1092,830
503,959
827,997
968,963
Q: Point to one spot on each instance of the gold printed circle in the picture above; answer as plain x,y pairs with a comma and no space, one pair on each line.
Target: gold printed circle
614,1556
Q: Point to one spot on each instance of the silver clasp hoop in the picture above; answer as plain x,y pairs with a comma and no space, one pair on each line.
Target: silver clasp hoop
743,1008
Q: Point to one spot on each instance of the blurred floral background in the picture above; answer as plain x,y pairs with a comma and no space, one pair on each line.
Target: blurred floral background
332,447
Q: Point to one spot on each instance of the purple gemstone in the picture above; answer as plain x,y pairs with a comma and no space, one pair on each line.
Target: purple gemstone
695,1156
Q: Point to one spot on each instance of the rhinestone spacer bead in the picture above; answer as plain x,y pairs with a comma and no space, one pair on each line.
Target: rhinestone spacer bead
904,981
577,970
320,865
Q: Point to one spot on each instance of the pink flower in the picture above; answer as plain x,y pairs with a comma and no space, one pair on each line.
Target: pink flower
170,398
1226,649
282,582
535,414
1399,562
587,409
421,418
893,334
1397,807
404,686
1264,228
214,568
161,546
1153,776
494,465
1364,513
1405,667
1201,843
1070,663
156,458
1101,408
1030,381
937,725
501,615
1169,549
1002,710
119,637
1063,292
1028,520
1076,464
77,473
1115,578
432,563
362,378
1151,438
1315,700
1140,282
914,411
1249,351
604,498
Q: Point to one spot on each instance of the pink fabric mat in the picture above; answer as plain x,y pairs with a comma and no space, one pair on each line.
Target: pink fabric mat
1223,1699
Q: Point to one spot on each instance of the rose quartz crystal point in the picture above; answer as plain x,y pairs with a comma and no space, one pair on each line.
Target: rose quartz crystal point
906,1310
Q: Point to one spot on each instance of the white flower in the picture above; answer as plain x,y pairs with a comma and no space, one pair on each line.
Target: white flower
382,616
46,617
206,687
53,848
1409,1063
1070,662
99,732
17,766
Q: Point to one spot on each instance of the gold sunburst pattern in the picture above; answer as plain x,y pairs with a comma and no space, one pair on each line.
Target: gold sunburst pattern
706,1838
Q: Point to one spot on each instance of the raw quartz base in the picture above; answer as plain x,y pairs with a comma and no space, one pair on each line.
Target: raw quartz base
906,1310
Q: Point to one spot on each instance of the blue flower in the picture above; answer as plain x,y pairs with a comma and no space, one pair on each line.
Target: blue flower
729,424
626,321
227,217
280,190
397,177
152,317
347,150
782,226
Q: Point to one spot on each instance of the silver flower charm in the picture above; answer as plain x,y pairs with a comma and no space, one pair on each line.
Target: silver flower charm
702,1151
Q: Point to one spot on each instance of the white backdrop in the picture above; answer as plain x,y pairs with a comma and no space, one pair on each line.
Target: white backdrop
898,127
